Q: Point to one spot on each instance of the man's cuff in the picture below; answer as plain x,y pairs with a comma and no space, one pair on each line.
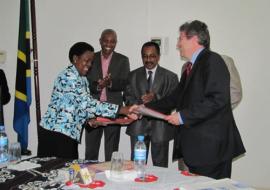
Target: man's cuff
181,119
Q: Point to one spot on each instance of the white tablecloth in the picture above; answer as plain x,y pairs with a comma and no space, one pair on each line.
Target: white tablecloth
167,179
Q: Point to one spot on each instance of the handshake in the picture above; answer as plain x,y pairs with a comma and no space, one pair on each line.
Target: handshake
135,112
132,112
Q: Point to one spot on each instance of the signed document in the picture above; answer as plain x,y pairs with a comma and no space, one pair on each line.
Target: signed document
106,121
151,113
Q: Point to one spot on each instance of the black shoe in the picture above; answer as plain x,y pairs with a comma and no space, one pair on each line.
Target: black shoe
26,152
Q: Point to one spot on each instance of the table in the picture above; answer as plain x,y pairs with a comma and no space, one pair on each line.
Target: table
44,178
169,179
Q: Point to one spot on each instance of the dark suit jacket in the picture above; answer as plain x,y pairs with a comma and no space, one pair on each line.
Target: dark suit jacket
5,91
164,83
119,68
209,134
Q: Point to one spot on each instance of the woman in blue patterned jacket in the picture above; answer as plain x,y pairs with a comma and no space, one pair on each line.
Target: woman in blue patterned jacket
71,106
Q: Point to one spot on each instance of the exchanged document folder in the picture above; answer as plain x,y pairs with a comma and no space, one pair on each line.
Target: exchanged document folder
120,121
151,113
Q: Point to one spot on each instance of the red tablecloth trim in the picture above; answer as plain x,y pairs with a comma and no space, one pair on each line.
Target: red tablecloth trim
148,178
93,185
187,173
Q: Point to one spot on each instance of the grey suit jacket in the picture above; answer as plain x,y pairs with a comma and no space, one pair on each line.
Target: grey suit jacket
235,82
164,83
119,68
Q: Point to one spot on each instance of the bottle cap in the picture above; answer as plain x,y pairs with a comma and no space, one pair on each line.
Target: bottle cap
140,137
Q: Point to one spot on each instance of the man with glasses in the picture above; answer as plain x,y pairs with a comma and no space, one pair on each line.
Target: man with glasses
207,136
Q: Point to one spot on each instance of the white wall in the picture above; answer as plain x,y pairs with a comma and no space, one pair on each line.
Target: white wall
238,28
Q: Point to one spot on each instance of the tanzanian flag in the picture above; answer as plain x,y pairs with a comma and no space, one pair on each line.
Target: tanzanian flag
23,78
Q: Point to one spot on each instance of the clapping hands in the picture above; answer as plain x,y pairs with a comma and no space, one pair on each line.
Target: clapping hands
148,97
105,82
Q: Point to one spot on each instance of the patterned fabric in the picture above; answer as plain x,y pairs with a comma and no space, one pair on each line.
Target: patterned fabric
44,177
71,105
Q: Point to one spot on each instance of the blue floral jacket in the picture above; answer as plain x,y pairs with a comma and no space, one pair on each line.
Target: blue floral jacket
71,105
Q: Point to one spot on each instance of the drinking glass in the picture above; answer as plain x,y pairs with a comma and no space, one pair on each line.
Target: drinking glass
117,165
14,152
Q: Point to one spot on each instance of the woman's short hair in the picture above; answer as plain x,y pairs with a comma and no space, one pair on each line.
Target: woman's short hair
78,49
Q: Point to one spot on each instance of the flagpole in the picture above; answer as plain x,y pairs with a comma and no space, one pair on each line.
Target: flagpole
35,57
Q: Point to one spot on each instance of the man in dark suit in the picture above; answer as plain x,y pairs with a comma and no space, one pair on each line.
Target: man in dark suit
207,137
142,88
107,80
235,90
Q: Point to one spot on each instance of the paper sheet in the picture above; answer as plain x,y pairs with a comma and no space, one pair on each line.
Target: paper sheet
151,113
25,165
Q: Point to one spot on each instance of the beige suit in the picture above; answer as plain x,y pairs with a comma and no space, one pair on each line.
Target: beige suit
235,82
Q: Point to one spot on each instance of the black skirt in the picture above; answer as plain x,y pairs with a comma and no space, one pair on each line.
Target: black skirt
51,143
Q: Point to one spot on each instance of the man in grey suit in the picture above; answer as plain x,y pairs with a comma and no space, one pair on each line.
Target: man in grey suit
107,80
149,83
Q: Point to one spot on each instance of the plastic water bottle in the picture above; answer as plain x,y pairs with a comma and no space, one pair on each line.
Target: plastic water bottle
3,145
140,157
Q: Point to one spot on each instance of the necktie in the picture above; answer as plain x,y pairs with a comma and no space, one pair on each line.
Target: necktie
188,68
149,81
